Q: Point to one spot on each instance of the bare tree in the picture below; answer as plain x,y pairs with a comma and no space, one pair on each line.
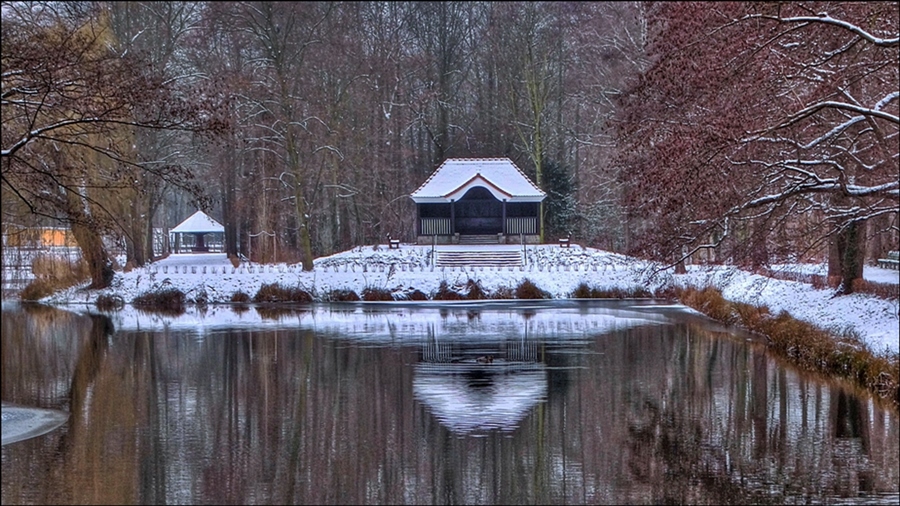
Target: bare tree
69,102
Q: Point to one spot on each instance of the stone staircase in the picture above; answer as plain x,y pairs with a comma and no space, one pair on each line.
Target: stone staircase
478,239
479,259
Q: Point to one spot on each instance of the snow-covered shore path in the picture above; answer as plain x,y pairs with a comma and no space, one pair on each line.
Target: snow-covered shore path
556,270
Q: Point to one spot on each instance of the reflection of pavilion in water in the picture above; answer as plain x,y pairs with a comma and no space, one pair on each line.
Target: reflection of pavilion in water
479,386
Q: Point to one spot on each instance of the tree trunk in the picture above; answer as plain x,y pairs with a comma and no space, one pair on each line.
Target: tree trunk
94,253
229,215
847,255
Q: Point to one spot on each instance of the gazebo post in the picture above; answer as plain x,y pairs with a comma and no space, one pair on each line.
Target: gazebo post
503,224
452,216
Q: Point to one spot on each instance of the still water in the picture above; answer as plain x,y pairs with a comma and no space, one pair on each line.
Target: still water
527,403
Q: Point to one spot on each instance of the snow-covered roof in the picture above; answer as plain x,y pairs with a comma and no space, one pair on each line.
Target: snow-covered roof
506,399
199,222
456,176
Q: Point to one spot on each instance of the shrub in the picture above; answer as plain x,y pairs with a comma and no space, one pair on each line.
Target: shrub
528,290
109,303
445,293
342,296
417,295
168,300
274,292
582,291
475,291
373,294
240,297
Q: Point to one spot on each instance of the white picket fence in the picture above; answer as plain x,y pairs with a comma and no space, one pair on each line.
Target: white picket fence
380,267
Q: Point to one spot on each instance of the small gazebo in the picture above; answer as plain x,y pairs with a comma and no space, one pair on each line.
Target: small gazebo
478,197
189,235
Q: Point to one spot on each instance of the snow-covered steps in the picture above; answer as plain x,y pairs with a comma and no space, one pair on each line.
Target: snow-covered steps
487,258
478,239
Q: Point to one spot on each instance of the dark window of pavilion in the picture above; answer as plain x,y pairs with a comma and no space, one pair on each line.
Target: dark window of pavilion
434,210
478,212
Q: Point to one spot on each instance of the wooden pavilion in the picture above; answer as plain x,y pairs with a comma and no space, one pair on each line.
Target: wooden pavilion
478,200
189,235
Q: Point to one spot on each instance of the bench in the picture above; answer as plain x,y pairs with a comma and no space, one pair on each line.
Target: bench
564,243
891,262
394,243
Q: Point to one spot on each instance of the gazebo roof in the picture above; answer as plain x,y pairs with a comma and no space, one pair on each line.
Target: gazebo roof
199,223
456,176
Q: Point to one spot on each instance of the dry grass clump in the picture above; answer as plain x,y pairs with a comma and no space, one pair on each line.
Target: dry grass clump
881,290
274,292
666,292
710,302
528,290
583,291
37,290
839,353
109,303
170,300
53,273
475,291
374,294
58,268
342,296
240,297
503,293
445,293
417,295
235,261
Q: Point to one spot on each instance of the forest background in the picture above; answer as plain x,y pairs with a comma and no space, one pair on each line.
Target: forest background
746,133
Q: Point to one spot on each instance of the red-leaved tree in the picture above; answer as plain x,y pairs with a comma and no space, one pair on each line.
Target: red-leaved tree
764,132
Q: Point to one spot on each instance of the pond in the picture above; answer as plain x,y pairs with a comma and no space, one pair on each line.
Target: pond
437,403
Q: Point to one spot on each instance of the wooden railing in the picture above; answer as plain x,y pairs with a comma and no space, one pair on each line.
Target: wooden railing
516,226
435,226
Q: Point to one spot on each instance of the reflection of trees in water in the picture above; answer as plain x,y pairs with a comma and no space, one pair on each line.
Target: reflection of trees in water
697,442
651,414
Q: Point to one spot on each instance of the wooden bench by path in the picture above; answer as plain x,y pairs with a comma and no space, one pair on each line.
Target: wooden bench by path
891,262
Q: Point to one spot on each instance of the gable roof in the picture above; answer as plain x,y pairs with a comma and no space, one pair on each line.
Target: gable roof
464,408
456,176
199,222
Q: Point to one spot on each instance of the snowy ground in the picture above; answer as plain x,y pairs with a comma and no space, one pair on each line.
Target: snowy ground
557,270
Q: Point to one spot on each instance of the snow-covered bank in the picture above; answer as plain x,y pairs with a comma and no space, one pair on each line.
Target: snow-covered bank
557,270
874,319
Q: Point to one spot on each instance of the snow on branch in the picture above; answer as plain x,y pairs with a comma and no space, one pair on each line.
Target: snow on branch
826,19
865,111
